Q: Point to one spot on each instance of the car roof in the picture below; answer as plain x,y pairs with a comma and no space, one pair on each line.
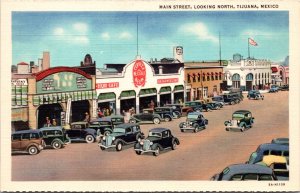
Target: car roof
273,146
159,129
51,128
248,168
125,125
195,113
280,141
242,111
27,131
79,122
115,116
163,108
101,119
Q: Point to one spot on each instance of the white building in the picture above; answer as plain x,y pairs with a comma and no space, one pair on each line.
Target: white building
136,84
247,74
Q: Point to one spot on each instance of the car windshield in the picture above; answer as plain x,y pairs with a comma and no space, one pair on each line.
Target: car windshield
155,134
192,116
252,158
119,130
237,115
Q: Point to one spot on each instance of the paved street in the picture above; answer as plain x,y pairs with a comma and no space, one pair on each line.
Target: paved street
198,156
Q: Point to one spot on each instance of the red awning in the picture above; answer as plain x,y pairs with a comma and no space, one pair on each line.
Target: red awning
274,69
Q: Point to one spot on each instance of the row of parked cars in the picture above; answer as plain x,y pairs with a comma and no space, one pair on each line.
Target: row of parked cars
105,130
276,88
270,161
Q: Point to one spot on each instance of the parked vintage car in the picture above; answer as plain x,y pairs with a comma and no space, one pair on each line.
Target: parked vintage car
80,131
180,109
211,106
278,164
245,172
123,134
55,137
255,94
116,119
166,113
241,120
274,88
284,87
158,139
30,141
194,121
268,149
219,100
195,105
231,99
281,140
103,126
147,116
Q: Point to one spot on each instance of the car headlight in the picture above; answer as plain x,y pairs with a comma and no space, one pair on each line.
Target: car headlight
113,138
103,138
139,140
142,143
238,121
151,143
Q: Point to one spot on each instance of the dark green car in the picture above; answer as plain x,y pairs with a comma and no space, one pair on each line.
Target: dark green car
55,137
241,120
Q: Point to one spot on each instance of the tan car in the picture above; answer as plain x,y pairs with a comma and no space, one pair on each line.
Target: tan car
30,141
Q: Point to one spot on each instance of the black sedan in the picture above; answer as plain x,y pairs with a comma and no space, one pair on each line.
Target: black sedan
158,139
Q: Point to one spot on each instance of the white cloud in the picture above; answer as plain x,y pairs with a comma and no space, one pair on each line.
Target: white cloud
125,35
200,30
256,33
59,31
81,40
80,27
105,36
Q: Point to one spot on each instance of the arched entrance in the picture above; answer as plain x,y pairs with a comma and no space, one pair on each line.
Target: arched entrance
53,111
236,81
249,81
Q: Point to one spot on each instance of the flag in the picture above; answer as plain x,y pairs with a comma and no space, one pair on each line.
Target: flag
252,42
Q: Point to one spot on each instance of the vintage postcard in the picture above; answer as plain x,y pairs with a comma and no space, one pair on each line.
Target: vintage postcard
107,95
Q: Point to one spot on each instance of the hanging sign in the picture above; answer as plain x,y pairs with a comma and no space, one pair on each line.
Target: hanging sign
139,73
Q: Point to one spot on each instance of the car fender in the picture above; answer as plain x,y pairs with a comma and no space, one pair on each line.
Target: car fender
176,140
108,129
119,140
33,144
226,123
181,124
155,145
206,122
57,139
91,132
157,116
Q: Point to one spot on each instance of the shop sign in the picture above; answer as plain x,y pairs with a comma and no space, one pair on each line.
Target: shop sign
139,73
167,80
107,85
19,82
62,82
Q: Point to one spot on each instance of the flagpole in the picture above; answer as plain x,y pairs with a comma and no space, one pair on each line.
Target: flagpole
220,51
248,49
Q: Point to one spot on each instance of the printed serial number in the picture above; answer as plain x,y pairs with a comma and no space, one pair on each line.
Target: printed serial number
277,184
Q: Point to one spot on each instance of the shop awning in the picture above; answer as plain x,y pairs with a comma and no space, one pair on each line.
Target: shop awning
147,92
106,97
165,90
178,88
129,94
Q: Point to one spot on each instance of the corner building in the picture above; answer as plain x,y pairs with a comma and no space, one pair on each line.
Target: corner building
136,84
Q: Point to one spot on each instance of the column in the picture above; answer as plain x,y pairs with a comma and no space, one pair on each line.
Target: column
137,104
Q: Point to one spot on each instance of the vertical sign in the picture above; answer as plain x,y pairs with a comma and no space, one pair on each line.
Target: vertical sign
68,112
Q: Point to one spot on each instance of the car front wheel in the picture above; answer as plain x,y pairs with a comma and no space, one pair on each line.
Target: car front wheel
156,121
174,144
89,139
56,144
138,152
119,146
156,153
243,128
33,150
167,119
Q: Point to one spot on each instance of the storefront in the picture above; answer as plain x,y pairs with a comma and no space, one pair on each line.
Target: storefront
203,79
248,74
136,86
62,94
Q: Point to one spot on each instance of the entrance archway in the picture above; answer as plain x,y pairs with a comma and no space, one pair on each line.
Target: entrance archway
53,111
249,81
236,81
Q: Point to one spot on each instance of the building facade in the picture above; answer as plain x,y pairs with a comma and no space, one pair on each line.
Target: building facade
202,79
247,74
135,85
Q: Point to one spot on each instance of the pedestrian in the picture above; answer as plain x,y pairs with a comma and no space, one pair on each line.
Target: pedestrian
54,123
87,117
47,122
132,111
107,112
151,105
180,102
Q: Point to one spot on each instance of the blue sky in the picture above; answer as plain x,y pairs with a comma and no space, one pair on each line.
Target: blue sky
111,37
